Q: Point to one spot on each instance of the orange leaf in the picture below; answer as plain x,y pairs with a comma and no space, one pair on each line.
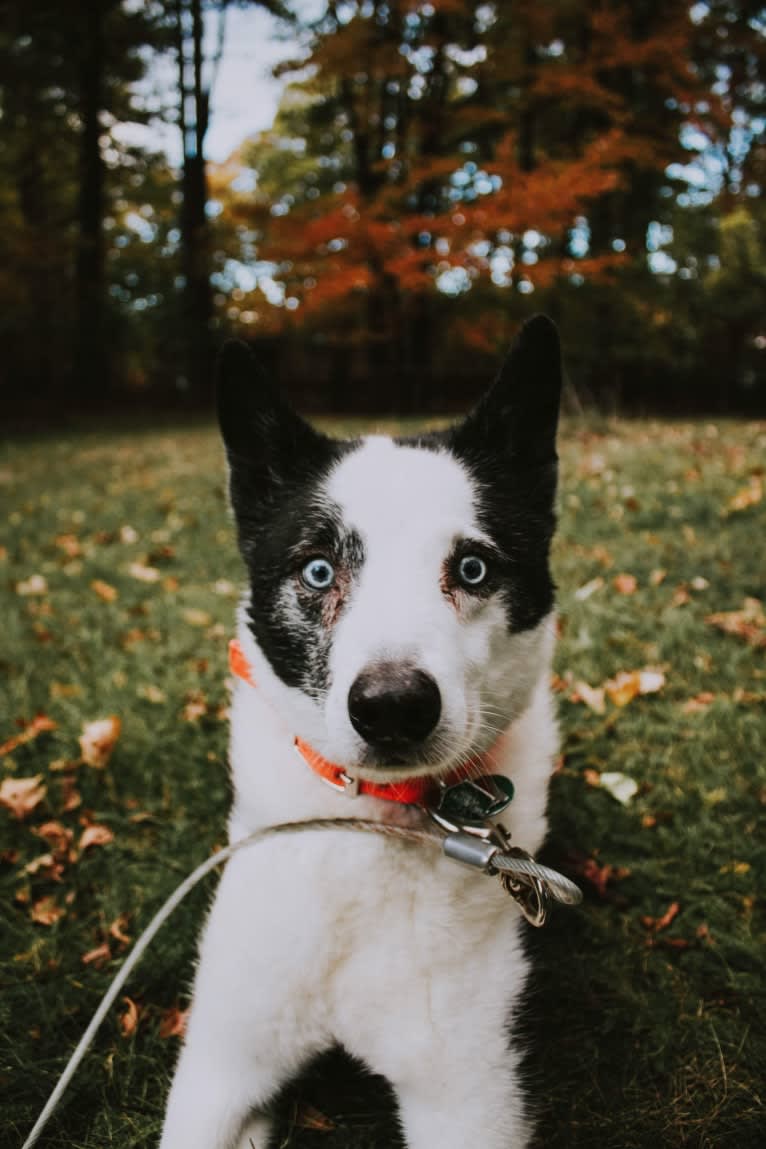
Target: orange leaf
21,795
661,923
625,584
95,836
37,726
748,624
117,929
748,497
592,696
104,591
98,956
173,1023
98,739
46,912
129,1019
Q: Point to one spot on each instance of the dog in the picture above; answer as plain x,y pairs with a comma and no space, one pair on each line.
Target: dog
398,627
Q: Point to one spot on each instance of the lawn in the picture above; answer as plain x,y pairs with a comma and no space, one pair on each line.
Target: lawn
646,1022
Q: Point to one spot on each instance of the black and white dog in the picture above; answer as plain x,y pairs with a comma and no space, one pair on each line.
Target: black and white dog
398,626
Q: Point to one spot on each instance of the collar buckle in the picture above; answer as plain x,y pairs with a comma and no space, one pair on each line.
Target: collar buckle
343,783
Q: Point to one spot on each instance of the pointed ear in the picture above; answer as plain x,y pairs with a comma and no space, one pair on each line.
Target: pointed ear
266,441
518,416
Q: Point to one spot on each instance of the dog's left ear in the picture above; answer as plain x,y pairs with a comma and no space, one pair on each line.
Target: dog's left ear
518,417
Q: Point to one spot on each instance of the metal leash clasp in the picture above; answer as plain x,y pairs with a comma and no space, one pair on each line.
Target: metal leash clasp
463,814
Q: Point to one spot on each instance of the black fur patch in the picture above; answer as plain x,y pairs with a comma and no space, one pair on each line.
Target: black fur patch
291,623
508,446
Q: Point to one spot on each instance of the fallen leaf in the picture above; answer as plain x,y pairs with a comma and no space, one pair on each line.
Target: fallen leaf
104,590
64,690
39,725
46,912
657,577
71,797
35,584
95,836
58,837
98,956
600,876
98,739
699,703
151,693
196,617
128,535
625,584
661,923
681,596
592,777
699,582
592,696
620,786
224,587
196,706
589,588
129,1019
21,795
70,545
173,1023
117,929
747,497
144,573
748,624
46,866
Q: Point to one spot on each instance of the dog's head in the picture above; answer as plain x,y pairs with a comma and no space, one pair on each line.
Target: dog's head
400,592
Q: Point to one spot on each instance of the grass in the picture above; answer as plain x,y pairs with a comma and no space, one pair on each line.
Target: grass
642,1033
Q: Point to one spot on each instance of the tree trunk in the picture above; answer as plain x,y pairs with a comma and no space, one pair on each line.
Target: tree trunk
197,306
91,364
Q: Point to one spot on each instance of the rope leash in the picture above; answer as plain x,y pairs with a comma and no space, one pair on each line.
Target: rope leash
564,890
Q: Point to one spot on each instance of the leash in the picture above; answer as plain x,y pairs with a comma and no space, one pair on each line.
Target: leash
492,854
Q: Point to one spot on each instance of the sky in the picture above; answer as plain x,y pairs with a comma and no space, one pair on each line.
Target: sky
245,95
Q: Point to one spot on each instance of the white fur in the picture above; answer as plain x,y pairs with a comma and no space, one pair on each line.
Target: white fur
411,962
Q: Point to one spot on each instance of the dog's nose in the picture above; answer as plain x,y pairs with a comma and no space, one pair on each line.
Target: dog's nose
393,705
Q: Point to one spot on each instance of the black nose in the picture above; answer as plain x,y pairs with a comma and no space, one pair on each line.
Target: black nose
393,705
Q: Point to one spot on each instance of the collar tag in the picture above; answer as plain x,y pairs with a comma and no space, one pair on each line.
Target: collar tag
471,803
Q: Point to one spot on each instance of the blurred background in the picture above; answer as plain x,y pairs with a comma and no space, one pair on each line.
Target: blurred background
374,194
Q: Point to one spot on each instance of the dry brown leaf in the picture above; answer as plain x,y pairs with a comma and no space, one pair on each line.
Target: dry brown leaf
173,1023
39,725
747,497
71,797
46,912
70,545
699,703
657,577
625,584
748,624
104,590
592,696
97,740
21,795
129,1019
599,876
681,595
58,837
46,866
117,929
144,573
151,693
98,956
661,923
587,589
95,836
34,585
196,706
196,617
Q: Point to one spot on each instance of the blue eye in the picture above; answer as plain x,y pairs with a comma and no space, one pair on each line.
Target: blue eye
318,574
472,570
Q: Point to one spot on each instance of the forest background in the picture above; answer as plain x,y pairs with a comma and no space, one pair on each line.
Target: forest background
435,172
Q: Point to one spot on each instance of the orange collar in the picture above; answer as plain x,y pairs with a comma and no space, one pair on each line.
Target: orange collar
409,791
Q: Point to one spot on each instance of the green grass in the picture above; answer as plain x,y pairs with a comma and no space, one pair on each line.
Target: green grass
638,1038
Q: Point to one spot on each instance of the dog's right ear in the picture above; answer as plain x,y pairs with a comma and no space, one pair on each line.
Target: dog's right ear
266,442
